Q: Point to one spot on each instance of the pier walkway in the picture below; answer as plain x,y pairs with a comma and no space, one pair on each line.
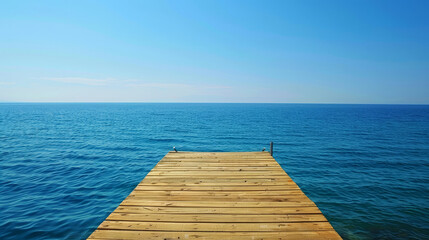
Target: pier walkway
222,195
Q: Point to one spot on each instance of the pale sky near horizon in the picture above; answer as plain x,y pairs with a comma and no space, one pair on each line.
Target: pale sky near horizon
215,51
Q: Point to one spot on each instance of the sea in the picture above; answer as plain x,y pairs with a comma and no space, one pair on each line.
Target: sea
65,166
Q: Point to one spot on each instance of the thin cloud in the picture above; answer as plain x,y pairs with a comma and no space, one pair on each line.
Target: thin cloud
159,85
6,83
81,81
135,83
176,85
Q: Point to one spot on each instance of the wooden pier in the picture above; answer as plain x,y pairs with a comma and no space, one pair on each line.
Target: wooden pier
222,195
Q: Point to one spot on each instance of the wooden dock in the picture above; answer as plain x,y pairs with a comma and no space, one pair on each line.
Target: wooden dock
222,195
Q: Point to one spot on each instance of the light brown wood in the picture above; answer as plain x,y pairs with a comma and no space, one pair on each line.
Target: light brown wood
244,168
124,234
218,210
198,187
218,218
208,203
215,227
218,181
234,192
206,195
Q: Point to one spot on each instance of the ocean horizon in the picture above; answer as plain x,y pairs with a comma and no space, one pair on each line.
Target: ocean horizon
66,166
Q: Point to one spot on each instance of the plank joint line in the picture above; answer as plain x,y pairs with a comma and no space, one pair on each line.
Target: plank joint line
216,195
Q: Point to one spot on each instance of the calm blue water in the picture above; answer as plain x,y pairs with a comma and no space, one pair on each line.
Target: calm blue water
65,167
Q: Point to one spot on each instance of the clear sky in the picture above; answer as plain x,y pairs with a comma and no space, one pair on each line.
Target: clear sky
215,51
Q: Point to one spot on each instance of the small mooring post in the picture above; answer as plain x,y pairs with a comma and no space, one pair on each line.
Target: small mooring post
271,148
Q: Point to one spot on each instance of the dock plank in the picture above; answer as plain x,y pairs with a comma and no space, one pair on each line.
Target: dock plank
206,195
115,234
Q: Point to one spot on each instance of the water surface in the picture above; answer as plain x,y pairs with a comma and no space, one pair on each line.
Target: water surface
65,167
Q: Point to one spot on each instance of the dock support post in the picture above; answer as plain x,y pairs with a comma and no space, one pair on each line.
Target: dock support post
271,148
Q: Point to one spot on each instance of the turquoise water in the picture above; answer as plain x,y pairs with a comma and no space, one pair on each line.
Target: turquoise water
65,167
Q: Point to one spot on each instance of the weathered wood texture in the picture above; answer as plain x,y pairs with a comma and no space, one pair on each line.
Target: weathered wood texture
201,195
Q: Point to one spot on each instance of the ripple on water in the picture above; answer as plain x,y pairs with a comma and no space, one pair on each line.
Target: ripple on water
65,167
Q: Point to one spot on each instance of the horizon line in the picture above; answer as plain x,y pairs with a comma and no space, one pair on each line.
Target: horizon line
315,103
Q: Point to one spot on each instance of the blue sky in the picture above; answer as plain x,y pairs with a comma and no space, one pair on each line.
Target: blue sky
215,51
